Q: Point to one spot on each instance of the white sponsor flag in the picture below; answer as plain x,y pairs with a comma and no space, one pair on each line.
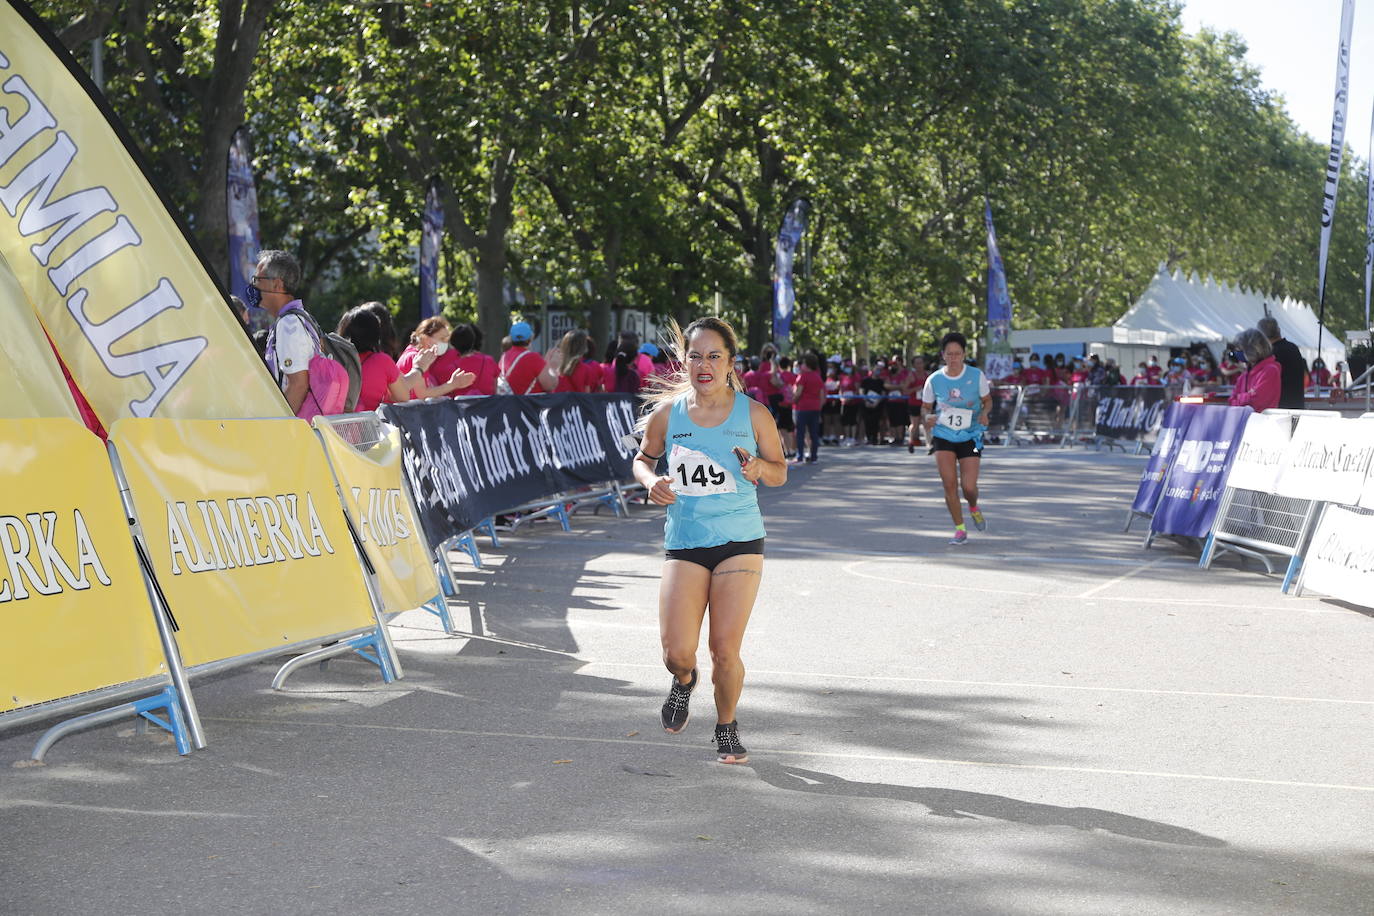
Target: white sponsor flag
1369,228
1327,460
1340,562
1333,160
1263,446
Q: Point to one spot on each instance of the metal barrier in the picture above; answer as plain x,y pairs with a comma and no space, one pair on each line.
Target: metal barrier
360,430
1262,526
1042,413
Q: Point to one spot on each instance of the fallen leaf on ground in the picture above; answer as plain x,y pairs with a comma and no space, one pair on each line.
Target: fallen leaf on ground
631,734
562,761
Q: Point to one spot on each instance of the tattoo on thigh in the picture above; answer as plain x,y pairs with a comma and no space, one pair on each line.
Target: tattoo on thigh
730,572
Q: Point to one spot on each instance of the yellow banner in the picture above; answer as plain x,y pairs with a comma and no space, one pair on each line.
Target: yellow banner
245,532
375,497
75,610
33,382
130,306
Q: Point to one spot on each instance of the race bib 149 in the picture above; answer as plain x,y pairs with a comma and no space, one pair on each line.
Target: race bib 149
695,474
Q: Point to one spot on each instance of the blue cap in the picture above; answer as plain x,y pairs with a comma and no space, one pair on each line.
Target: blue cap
521,332
648,349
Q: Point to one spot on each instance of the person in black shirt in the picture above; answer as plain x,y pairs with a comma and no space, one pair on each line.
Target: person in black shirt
1291,364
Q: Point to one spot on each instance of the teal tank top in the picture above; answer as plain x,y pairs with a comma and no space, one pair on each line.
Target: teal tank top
958,404
715,504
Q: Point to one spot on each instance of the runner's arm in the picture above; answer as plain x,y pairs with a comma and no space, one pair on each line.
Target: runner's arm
768,467
651,449
986,411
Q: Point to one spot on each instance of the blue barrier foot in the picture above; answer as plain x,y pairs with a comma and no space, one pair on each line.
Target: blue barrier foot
369,646
439,608
489,524
165,699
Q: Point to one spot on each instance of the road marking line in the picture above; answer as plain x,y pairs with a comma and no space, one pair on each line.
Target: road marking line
1133,599
829,755
1121,578
104,809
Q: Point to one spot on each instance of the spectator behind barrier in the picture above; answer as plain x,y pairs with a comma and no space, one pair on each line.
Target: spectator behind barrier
625,378
1260,385
383,381
520,366
565,368
1289,358
276,277
466,341
390,343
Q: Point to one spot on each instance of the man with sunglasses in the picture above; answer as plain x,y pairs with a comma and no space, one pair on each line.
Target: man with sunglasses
289,344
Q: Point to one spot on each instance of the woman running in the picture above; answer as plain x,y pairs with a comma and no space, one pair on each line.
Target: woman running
723,444
960,398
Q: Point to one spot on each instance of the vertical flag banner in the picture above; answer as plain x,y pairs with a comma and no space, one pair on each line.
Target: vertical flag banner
784,257
431,240
1334,155
1369,228
999,358
244,236
129,302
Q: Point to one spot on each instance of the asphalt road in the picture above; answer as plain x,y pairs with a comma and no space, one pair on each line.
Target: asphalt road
1049,719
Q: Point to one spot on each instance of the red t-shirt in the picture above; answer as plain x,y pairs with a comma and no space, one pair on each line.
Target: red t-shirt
521,371
920,380
378,371
811,390
1153,373
586,377
406,363
482,366
764,379
789,378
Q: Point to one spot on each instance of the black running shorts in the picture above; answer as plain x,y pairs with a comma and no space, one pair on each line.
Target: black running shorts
961,450
711,557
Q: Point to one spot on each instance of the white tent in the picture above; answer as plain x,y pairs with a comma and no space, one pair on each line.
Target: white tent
1184,311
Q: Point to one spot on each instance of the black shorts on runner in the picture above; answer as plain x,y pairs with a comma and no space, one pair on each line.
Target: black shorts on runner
711,557
961,450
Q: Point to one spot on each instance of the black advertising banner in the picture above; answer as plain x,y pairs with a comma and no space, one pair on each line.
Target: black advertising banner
471,458
1130,412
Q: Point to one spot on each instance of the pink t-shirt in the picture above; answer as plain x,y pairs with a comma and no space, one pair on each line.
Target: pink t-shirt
406,363
379,371
482,366
764,377
585,378
811,393
789,378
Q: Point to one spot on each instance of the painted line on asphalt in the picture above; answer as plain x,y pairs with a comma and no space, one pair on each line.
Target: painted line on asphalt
827,755
1017,685
1121,578
1133,599
104,809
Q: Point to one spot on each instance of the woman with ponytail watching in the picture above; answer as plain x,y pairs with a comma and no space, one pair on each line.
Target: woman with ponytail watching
565,368
719,445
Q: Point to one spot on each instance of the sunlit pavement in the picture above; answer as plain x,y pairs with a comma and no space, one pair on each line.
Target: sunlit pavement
1049,719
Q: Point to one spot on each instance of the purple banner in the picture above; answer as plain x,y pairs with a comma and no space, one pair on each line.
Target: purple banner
1171,432
431,240
242,212
1192,488
784,257
999,360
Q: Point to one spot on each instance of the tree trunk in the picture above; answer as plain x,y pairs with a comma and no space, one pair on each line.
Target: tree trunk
492,315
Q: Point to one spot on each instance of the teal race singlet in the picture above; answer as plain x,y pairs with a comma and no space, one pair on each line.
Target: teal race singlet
958,403
715,504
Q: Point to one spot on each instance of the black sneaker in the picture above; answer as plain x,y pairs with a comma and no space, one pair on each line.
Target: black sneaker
728,748
675,713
